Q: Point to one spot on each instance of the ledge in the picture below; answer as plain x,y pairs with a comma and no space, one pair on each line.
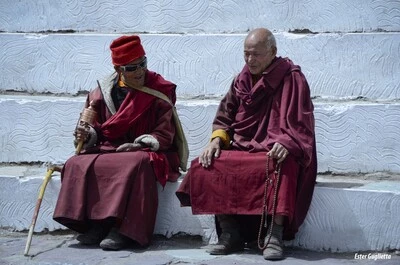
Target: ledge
346,213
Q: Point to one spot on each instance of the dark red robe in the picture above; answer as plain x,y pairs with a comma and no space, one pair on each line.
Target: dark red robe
100,183
278,108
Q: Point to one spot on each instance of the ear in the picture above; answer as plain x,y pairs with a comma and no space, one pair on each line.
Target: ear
274,51
117,69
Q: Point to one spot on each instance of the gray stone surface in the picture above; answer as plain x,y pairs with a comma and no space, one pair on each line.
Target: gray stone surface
62,248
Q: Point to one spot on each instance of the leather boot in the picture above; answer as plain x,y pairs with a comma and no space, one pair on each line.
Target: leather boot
274,248
230,240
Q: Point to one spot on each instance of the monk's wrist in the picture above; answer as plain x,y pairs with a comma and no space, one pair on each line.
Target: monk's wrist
217,140
223,138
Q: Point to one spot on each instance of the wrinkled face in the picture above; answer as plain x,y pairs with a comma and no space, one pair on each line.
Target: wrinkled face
134,72
257,55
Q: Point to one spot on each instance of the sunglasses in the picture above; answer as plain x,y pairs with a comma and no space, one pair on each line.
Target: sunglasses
134,67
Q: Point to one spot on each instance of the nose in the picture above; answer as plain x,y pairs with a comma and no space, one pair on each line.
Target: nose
138,72
250,58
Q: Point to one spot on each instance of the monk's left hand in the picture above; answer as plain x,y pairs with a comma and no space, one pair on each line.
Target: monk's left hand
278,152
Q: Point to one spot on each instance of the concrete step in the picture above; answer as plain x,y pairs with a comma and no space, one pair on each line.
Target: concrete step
347,213
336,65
352,136
352,214
199,16
25,182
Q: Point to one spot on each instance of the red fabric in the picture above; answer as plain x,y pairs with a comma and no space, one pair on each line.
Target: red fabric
278,108
241,190
135,118
101,183
134,107
126,49
280,102
117,185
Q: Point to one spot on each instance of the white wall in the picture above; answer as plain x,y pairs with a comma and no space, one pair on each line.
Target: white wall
62,47
52,51
337,65
203,16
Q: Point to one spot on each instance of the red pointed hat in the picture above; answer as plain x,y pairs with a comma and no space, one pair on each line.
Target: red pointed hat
125,49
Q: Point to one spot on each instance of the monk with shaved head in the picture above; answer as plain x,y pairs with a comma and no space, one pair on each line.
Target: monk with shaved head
257,173
259,51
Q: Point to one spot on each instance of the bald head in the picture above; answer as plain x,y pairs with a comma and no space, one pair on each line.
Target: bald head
259,50
261,36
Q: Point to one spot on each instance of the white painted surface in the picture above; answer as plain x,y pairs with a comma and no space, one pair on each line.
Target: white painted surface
351,136
339,220
336,65
198,45
199,16
358,137
354,219
17,211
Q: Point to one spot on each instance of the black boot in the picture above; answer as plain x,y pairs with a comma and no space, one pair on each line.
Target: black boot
274,248
230,240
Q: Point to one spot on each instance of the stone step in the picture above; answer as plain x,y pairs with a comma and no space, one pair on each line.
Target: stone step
347,213
25,181
336,65
352,136
199,16
353,214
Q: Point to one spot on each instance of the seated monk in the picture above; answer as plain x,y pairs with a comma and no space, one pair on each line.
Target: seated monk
258,172
109,191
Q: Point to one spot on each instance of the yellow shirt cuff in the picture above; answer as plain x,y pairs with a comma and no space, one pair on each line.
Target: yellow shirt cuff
224,136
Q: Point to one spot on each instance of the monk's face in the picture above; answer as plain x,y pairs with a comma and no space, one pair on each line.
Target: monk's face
257,55
134,73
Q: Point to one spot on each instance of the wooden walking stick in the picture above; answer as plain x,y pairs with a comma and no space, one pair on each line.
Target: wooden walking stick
46,180
87,118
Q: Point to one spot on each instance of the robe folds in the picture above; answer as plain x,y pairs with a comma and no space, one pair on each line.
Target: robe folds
101,184
278,108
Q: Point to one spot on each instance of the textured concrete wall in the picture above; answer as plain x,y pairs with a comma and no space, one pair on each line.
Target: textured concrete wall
336,65
352,136
362,217
204,16
53,51
61,47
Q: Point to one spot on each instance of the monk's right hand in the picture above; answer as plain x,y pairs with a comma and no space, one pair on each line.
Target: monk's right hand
85,134
213,149
81,133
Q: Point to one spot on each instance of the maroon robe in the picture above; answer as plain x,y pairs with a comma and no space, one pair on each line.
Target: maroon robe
101,184
278,108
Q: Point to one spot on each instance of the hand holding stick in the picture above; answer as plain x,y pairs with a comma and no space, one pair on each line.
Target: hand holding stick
87,118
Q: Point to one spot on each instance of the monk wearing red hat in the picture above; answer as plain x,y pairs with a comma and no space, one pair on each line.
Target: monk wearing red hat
109,191
258,172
